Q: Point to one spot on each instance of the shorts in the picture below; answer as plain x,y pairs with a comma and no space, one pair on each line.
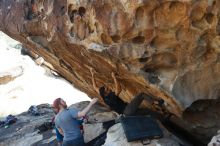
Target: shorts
75,142
59,136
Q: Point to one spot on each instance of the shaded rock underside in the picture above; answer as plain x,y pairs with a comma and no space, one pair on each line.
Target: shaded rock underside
168,49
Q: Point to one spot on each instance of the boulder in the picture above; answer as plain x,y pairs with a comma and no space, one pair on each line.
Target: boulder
215,141
116,137
10,75
30,130
167,49
98,114
25,131
91,131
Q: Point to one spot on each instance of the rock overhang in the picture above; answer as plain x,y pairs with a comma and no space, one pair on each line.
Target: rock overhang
168,49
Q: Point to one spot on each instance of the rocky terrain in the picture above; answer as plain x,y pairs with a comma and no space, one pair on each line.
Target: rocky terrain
166,48
29,130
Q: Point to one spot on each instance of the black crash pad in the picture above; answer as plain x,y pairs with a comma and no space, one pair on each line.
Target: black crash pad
140,128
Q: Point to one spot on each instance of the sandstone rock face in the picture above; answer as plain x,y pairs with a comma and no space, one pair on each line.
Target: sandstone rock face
168,49
10,75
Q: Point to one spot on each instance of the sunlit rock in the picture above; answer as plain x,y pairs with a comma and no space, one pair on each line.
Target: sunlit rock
168,49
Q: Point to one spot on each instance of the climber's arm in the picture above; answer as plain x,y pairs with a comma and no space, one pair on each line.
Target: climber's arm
87,108
93,81
117,86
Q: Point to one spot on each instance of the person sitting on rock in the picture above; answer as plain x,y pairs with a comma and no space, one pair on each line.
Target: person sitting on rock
66,121
112,99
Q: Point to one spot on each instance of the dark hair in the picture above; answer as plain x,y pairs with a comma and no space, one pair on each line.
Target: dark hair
56,103
102,91
33,1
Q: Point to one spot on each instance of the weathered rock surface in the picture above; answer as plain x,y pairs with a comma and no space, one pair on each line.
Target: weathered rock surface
26,131
215,140
10,75
116,137
169,49
98,114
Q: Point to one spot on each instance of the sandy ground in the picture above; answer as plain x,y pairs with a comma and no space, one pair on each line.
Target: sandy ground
33,87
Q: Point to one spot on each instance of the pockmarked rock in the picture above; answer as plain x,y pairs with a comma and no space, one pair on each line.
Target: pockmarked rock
167,49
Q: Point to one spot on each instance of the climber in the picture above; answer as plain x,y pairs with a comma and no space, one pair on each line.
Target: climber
111,98
33,12
60,136
67,124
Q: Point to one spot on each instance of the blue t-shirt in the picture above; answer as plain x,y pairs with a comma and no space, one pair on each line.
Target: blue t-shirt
66,120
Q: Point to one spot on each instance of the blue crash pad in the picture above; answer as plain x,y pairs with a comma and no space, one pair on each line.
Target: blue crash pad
140,128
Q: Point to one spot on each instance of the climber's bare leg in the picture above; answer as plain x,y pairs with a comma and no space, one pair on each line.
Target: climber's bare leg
132,107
